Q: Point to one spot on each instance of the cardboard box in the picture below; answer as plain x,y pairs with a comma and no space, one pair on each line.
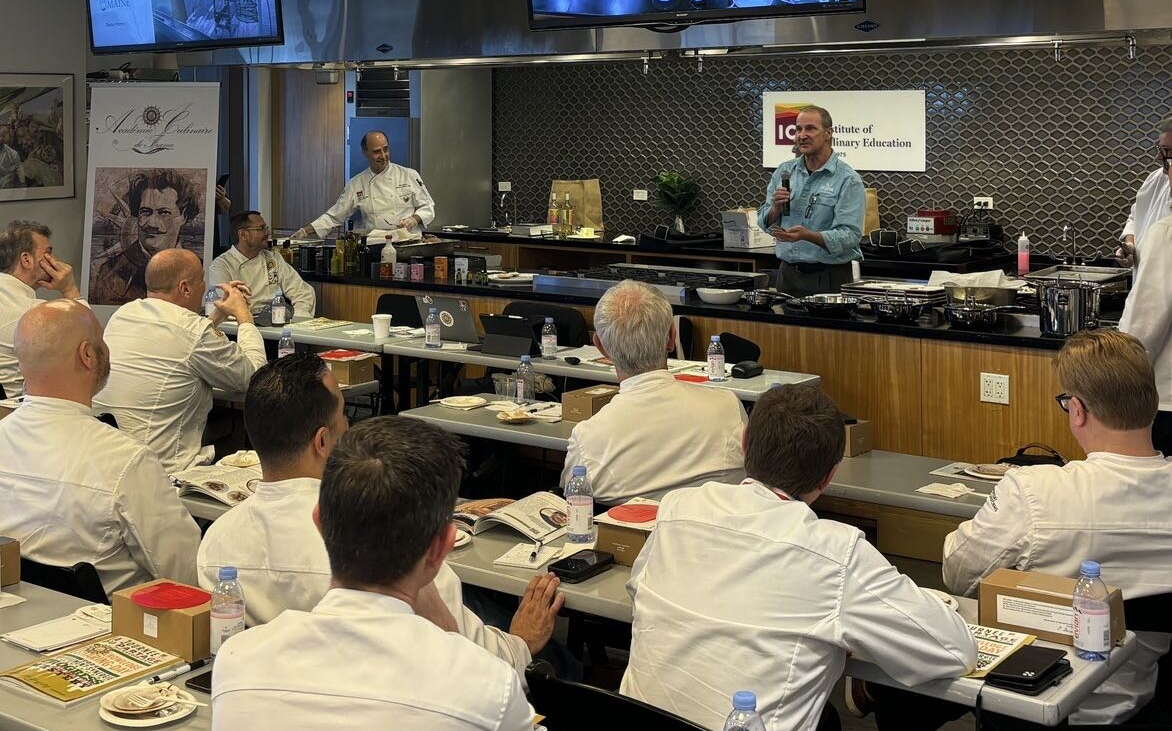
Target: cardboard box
181,632
624,540
742,232
858,438
1038,604
582,403
350,367
9,561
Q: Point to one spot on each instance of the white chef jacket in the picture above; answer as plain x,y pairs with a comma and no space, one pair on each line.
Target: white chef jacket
74,489
739,589
367,661
164,362
264,274
1110,508
1152,202
380,201
658,434
1147,314
282,563
16,298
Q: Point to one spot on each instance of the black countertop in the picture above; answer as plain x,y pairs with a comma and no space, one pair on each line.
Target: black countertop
1015,330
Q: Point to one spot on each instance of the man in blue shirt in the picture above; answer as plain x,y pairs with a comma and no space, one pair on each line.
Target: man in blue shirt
819,237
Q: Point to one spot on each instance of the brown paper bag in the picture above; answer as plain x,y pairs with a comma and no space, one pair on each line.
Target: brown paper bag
586,196
871,217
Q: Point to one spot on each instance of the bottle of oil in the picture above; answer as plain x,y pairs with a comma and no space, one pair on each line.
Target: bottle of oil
565,224
552,215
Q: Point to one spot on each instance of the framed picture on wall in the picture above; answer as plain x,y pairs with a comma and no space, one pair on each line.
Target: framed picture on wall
36,136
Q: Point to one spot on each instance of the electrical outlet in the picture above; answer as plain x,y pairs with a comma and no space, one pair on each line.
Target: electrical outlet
504,186
639,195
983,201
995,388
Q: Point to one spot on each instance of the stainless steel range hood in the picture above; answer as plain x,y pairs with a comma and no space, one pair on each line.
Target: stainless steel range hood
470,32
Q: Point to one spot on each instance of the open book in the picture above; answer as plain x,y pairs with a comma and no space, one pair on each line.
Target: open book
993,646
540,515
83,671
229,485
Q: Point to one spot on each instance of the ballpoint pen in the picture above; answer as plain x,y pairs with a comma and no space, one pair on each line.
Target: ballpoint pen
177,671
536,550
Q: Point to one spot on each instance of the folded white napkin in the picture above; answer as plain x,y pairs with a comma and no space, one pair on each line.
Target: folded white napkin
952,491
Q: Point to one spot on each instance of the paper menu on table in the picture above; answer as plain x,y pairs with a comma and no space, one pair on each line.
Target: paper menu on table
517,557
83,624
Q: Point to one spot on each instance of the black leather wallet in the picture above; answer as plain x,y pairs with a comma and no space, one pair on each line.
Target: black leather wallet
1030,670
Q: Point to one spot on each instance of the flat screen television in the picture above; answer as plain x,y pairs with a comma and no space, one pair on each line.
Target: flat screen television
133,26
549,14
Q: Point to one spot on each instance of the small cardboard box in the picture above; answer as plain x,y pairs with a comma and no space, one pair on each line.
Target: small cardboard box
582,403
1038,604
181,632
9,561
350,367
624,540
742,232
858,438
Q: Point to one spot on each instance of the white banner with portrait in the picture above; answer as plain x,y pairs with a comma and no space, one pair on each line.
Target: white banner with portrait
150,184
873,130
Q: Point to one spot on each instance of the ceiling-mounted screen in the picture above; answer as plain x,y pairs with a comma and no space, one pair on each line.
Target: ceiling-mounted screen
546,14
126,26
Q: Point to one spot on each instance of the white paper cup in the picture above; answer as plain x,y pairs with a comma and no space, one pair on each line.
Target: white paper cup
382,326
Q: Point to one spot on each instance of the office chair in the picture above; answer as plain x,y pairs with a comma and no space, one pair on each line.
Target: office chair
401,308
737,348
79,580
570,323
569,706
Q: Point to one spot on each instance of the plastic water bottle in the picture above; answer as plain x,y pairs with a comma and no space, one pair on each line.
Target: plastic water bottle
715,360
279,313
227,608
549,340
209,301
744,716
431,329
1092,614
525,379
285,345
580,497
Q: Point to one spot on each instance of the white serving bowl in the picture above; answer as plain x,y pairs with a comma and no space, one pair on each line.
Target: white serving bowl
720,296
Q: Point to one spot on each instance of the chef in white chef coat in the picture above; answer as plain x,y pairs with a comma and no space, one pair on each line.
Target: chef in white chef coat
1152,200
389,199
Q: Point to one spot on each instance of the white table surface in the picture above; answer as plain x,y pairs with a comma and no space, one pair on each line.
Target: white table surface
26,710
605,595
332,337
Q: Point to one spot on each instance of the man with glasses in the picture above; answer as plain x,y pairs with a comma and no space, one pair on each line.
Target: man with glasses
161,203
814,209
1151,201
261,269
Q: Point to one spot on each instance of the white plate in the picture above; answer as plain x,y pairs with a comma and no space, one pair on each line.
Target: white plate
168,714
975,471
462,539
463,402
242,458
511,277
948,599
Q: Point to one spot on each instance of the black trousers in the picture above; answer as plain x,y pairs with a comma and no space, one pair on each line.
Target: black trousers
804,279
1162,432
901,710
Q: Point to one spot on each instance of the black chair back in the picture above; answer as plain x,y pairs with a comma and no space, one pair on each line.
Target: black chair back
684,334
571,706
401,308
737,348
570,323
2,394
80,580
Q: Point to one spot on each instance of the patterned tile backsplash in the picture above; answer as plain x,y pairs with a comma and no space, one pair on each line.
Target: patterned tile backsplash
1053,143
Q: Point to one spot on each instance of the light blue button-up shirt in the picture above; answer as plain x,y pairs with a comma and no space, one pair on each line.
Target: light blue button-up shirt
830,201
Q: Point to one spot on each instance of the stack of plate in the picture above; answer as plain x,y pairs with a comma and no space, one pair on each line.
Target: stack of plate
142,706
925,293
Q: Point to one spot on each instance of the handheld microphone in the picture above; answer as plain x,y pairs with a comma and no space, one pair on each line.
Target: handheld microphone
785,184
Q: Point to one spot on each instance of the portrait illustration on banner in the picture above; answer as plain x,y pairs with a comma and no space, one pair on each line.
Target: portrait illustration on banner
36,136
138,212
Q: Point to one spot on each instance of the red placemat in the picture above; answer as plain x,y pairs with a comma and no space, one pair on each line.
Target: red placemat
170,596
691,379
634,513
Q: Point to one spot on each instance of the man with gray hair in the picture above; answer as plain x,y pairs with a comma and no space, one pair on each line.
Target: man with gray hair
1152,200
26,263
658,433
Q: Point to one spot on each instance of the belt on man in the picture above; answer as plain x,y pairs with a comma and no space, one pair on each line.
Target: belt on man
812,267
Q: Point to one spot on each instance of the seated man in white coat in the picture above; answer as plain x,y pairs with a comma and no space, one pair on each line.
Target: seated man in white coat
294,414
72,488
26,262
742,587
380,650
166,357
261,269
658,433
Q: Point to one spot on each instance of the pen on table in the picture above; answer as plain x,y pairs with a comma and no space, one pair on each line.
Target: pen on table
176,672
536,550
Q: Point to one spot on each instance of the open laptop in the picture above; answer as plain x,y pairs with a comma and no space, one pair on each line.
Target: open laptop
456,321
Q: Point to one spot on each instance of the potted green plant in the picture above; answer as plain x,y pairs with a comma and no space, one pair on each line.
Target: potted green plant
677,194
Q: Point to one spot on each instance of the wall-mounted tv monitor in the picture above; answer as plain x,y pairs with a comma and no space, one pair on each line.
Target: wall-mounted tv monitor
131,26
547,14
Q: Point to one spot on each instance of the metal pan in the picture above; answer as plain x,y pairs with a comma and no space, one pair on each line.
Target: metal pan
895,309
975,316
823,305
1000,296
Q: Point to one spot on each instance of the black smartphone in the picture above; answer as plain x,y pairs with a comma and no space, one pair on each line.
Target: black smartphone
582,565
201,682
223,179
